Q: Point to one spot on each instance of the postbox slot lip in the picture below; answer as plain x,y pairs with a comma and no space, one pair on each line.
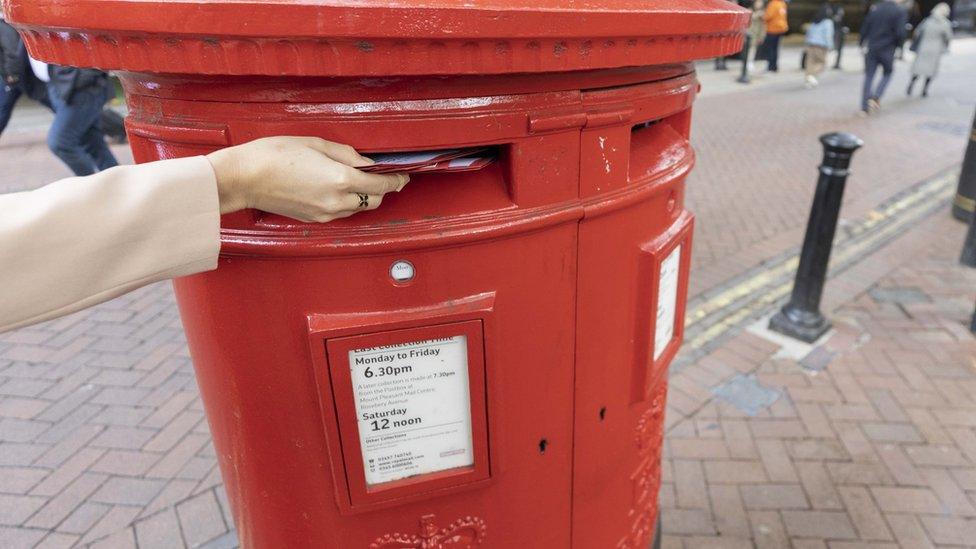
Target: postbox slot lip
656,147
299,244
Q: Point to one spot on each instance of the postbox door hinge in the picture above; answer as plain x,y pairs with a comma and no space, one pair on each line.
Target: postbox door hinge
550,122
608,118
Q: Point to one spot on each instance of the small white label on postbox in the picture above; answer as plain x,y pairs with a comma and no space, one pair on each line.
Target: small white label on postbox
667,301
414,408
402,271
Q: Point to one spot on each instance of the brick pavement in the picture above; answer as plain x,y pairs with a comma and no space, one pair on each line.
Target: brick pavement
757,153
870,439
103,442
102,434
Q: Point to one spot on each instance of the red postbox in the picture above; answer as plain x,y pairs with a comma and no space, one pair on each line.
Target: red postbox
481,361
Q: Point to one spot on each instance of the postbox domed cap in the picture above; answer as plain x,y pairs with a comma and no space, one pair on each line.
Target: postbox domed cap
375,38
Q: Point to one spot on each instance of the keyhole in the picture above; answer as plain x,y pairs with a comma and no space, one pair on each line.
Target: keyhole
542,446
603,413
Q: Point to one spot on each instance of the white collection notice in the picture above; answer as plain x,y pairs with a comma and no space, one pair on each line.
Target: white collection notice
413,407
667,301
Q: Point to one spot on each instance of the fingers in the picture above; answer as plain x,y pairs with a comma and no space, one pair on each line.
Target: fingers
337,151
341,206
374,183
357,181
350,203
362,202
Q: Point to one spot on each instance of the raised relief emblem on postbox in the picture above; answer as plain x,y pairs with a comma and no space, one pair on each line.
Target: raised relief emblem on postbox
646,479
464,533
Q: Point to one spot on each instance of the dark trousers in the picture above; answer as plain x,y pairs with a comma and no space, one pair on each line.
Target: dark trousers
8,98
76,134
772,51
884,58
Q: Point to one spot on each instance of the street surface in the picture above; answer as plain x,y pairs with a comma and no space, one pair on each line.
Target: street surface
865,440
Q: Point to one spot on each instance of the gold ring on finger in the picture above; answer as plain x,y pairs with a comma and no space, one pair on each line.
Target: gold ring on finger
363,200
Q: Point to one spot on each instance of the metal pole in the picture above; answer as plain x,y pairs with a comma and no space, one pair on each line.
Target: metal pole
964,204
801,317
968,258
840,45
744,77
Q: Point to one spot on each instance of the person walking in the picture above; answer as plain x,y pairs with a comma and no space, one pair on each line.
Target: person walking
881,32
15,78
776,27
76,136
819,40
835,12
756,31
931,41
8,86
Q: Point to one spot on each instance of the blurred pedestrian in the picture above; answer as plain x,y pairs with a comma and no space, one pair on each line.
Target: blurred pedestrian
931,41
835,12
15,77
819,40
757,31
78,96
776,27
881,32
8,87
914,12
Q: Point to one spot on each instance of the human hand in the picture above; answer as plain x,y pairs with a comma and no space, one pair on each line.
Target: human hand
305,178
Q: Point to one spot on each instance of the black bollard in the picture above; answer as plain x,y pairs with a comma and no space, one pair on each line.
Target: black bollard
844,31
964,204
744,77
968,258
801,318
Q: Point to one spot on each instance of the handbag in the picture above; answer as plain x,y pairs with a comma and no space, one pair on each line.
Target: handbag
915,41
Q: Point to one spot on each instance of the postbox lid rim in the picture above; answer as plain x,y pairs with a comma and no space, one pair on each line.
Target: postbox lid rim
365,38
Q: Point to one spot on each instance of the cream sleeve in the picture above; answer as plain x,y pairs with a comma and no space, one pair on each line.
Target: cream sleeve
84,240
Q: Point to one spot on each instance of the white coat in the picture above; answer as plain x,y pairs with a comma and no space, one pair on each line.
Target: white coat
932,37
84,240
